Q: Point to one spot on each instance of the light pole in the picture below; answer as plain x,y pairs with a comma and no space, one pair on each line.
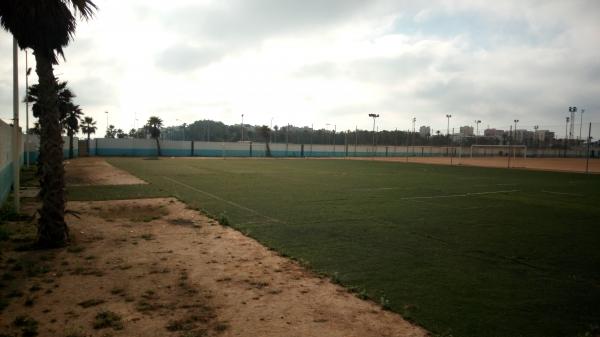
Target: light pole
15,129
581,122
333,142
27,72
414,120
516,121
448,127
374,116
106,112
242,127
566,134
537,138
477,122
572,110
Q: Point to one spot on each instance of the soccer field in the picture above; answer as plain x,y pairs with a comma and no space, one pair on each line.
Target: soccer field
462,251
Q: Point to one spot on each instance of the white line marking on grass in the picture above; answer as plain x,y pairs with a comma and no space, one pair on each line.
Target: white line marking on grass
459,195
223,200
563,193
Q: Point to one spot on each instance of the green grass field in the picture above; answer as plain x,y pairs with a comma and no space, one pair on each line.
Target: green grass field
462,251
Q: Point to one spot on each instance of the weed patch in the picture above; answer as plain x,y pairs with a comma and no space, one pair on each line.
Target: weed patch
108,319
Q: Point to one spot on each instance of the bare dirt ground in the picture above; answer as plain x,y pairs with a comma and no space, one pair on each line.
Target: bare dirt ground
544,164
96,171
154,267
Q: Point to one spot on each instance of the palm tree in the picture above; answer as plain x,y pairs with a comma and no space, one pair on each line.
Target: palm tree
88,127
153,125
65,97
71,124
111,132
47,27
265,132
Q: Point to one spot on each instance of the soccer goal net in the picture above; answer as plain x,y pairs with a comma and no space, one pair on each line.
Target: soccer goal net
498,151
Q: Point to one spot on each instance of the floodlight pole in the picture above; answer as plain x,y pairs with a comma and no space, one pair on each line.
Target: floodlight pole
334,131
106,112
477,132
374,116
448,127
516,121
566,127
242,127
414,120
510,141
15,139
27,71
581,122
537,139
587,161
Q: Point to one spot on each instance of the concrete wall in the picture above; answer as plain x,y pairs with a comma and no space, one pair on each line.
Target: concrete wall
29,149
6,169
171,148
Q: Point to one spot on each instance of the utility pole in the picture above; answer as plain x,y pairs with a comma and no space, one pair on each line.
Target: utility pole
15,140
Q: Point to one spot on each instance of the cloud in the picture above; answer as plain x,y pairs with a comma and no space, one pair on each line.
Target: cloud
184,58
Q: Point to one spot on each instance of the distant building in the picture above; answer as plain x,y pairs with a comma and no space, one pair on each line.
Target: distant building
466,130
425,131
493,133
522,135
544,136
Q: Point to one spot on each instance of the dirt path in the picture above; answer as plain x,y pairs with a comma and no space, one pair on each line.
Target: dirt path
154,267
542,164
96,171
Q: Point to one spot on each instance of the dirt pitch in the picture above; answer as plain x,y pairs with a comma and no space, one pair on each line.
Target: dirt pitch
96,171
154,267
543,164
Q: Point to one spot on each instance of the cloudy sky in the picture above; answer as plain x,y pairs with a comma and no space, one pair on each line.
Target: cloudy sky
332,62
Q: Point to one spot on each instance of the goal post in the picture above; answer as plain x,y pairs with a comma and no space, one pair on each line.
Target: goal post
498,151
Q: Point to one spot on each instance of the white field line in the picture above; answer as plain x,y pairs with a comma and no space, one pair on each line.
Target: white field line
460,195
563,193
223,200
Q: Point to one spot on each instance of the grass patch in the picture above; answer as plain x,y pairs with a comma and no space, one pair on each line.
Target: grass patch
108,319
27,325
427,236
116,192
91,303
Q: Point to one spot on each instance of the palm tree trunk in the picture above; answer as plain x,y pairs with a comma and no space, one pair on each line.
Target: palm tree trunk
88,144
70,144
158,147
52,229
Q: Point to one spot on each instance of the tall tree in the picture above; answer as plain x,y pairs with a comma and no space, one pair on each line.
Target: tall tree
111,132
265,133
153,125
71,124
47,26
88,127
